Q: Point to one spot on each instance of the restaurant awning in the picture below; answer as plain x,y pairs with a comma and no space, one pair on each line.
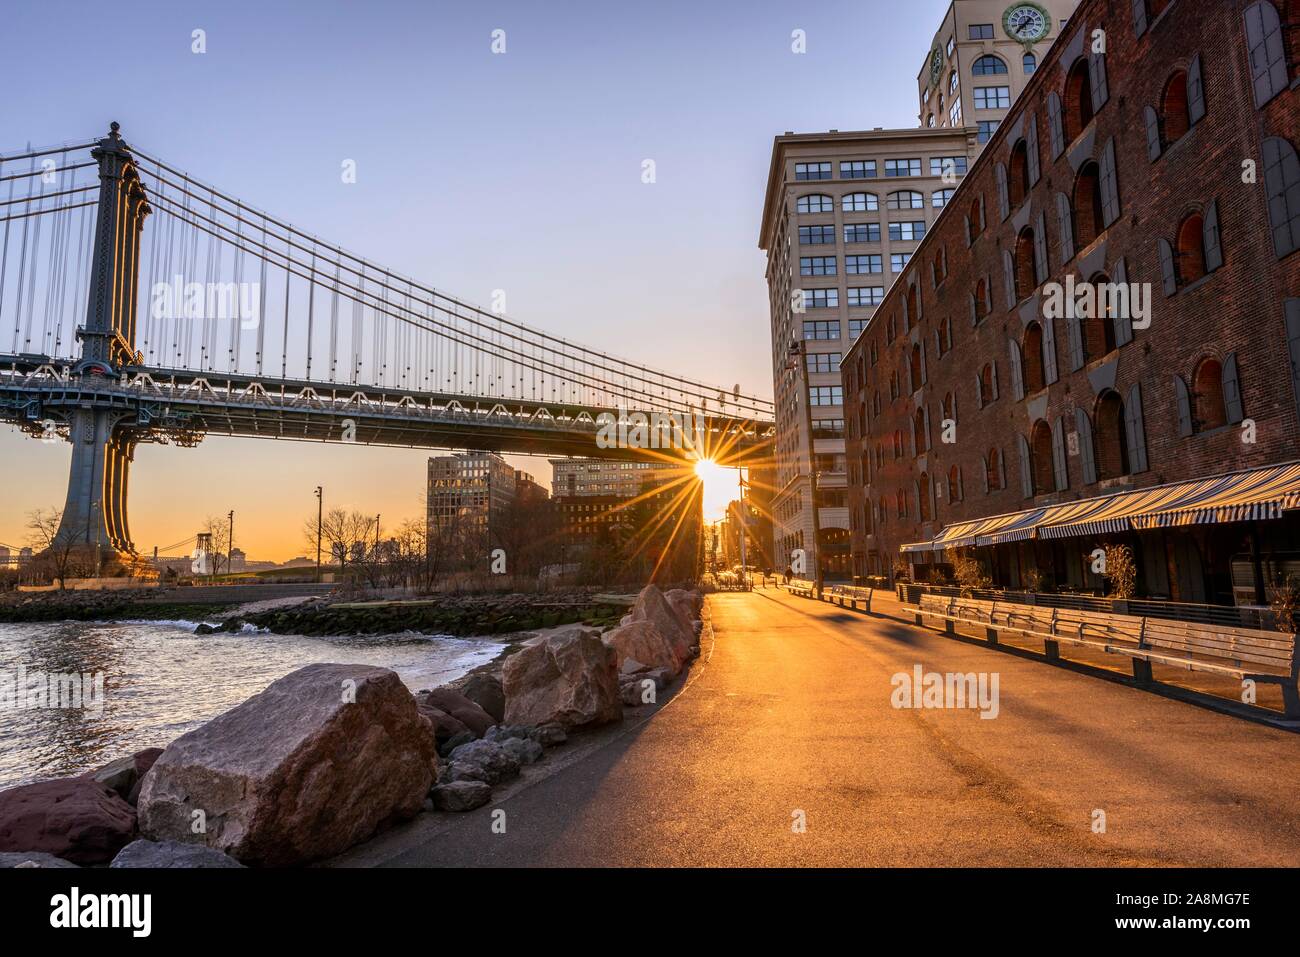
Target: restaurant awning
1255,494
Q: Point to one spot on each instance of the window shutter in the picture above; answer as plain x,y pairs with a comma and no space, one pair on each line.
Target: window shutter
982,212
924,375
1074,339
1184,403
925,416
1004,208
979,390
1232,390
1026,469
920,304
974,311
1017,377
1195,92
938,343
1282,187
1292,308
1002,469
1210,236
1267,51
1031,148
1083,426
1009,278
995,380
1139,17
1055,133
1123,320
969,237
1167,266
1040,250
1060,473
1109,185
984,473
1050,373
1097,80
1153,133
1134,431
1065,222
934,498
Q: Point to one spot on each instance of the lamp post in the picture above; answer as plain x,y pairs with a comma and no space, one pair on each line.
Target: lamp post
320,516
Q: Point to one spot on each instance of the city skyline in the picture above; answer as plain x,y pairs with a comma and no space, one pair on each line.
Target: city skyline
550,123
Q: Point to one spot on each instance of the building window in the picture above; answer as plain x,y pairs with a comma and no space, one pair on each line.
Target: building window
986,129
815,235
1282,186
826,395
823,362
1087,205
905,199
952,45
817,265
898,261
858,169
1110,447
1266,44
989,65
821,298
947,166
902,167
900,232
812,171
1024,265
993,471
954,113
929,121
1077,108
1209,409
1030,63
862,232
981,31
952,82
821,329
828,428
1190,263
865,295
859,202
988,383
992,97
856,326
939,198
862,265
815,203
955,491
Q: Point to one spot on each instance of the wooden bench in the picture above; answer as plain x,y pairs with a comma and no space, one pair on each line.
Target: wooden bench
1262,656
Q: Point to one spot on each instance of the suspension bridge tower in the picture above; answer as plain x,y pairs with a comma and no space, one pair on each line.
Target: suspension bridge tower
103,439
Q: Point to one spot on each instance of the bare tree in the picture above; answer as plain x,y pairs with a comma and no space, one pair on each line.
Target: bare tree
344,536
219,542
47,536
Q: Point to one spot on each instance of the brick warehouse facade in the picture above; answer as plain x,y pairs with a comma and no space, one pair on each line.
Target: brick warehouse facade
1124,166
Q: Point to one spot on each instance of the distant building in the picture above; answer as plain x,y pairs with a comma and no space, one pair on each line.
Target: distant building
527,490
466,491
602,477
238,560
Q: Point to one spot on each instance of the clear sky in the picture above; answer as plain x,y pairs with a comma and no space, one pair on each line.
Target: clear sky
475,171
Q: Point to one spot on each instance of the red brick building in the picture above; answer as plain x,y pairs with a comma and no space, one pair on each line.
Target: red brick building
1155,146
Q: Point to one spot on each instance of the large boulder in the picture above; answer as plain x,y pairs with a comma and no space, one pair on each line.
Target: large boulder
686,601
445,727
125,775
642,642
569,679
78,819
10,859
171,854
652,606
459,707
498,763
319,761
485,691
462,795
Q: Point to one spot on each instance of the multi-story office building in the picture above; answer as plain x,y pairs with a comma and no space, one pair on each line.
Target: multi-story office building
527,490
983,54
1156,187
465,492
573,477
842,216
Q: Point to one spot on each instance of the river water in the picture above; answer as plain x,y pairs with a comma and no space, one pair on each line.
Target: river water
161,680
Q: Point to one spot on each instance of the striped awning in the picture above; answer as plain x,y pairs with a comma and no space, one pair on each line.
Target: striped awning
1257,494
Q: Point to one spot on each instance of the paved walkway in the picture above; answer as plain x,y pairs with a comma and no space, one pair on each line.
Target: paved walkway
788,718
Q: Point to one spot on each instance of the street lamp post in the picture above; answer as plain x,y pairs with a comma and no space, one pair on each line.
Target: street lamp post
320,516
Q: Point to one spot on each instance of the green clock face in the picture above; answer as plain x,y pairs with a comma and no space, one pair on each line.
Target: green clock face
936,65
1026,22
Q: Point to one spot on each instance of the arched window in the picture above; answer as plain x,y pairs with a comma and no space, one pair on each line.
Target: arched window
988,387
1208,408
1191,249
900,503
1024,264
1110,446
1099,329
859,202
815,203
1030,63
1087,205
898,444
955,491
1174,120
910,314
882,513
938,267
993,469
905,199
915,367
949,406
1282,183
989,65
1040,454
1018,174
923,498
974,220
1031,349
1077,103
983,300
1270,73
944,337
920,439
